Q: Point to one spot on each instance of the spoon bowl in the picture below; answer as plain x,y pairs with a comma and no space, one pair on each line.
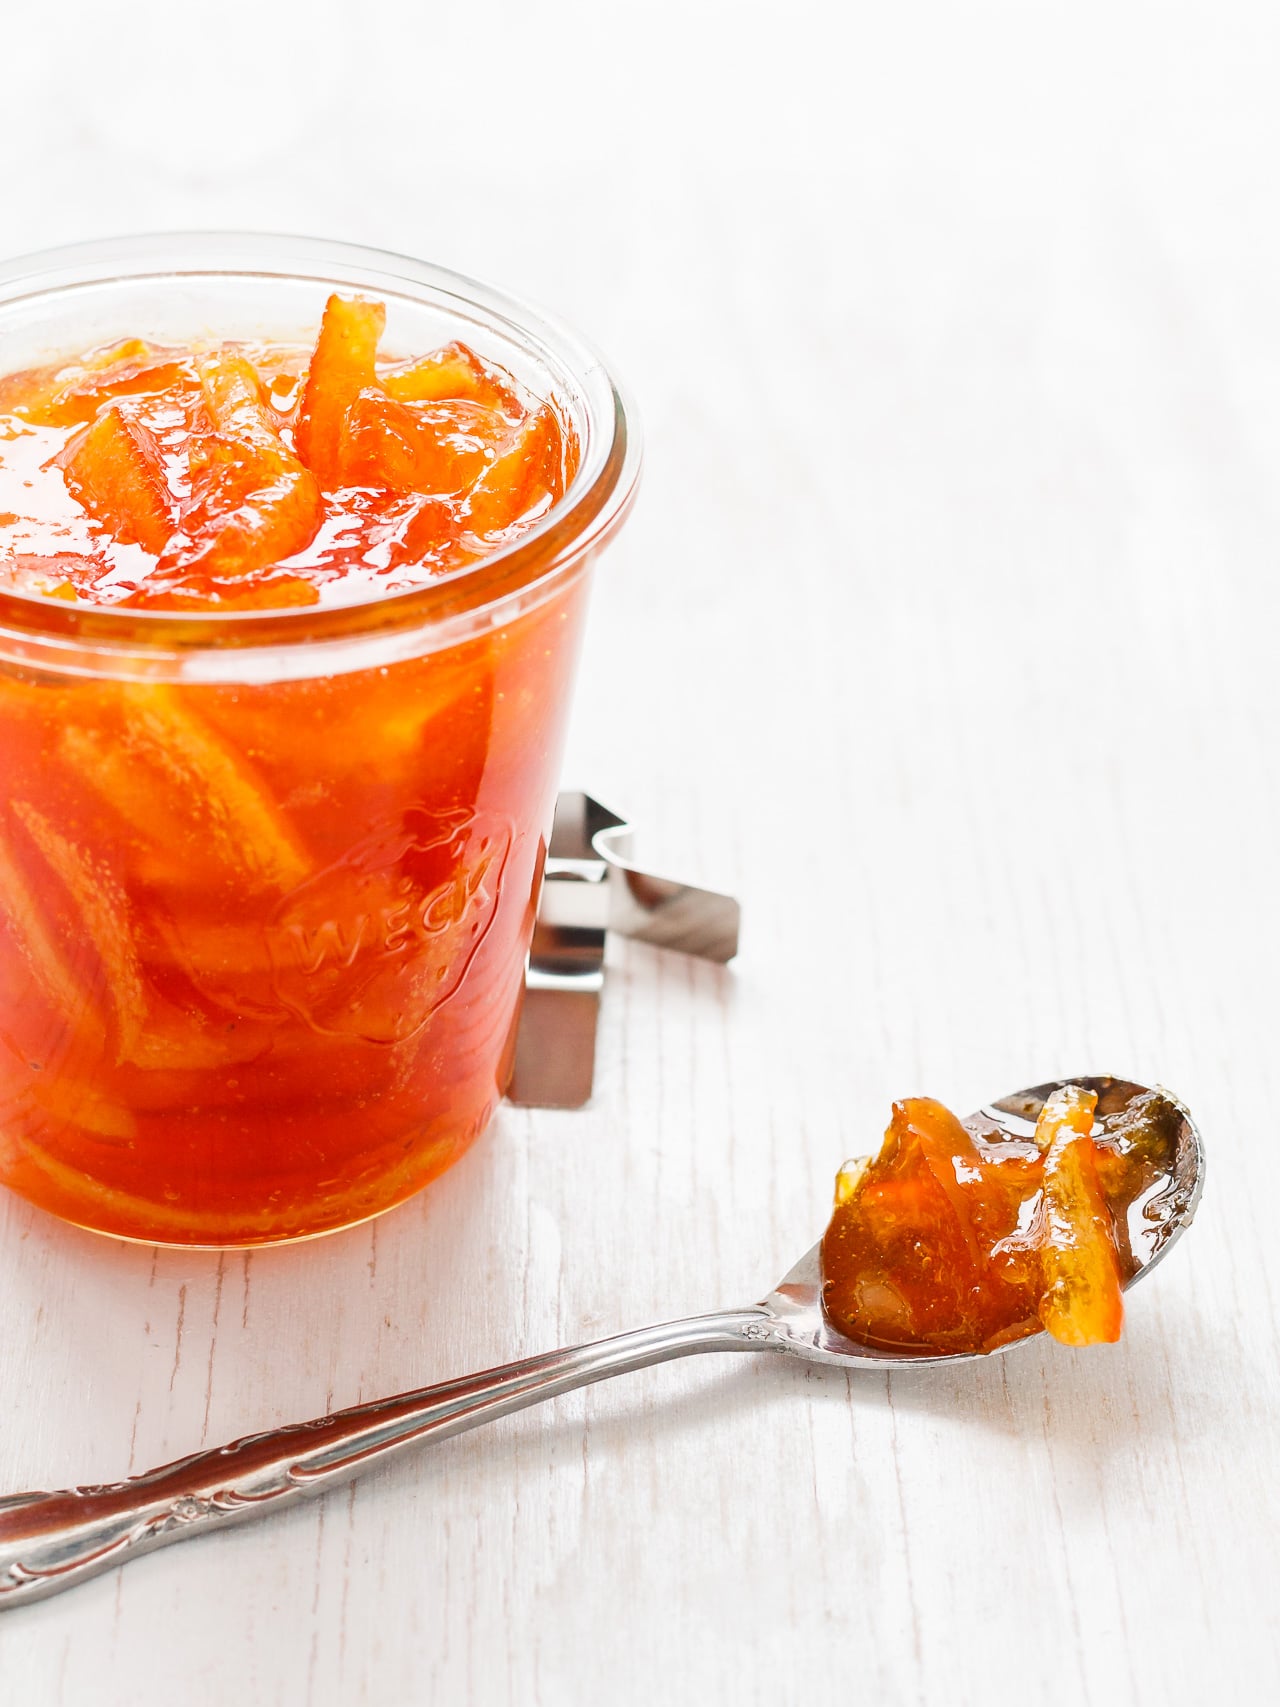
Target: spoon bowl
49,1541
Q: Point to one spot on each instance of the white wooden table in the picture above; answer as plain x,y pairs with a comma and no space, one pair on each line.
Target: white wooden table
946,634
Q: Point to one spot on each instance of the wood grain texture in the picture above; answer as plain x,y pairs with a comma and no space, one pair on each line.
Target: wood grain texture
945,634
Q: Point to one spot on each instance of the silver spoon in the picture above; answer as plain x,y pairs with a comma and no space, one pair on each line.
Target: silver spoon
48,1541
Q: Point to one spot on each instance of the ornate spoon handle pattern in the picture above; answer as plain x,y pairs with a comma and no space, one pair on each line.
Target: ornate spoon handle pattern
49,1541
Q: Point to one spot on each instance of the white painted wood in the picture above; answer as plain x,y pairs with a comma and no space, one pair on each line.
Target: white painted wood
946,632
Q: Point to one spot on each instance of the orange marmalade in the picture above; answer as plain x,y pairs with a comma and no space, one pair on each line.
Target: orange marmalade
957,1238
250,476
261,942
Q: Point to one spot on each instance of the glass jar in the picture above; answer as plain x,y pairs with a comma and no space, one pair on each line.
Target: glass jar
268,879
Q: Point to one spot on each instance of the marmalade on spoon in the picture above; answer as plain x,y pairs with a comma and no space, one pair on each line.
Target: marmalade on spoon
959,1238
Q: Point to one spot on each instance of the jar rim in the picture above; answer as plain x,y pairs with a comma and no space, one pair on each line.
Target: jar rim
595,503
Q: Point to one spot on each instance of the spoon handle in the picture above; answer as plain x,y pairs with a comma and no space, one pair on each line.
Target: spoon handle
49,1541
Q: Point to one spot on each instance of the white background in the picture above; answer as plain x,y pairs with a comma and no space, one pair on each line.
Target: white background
945,633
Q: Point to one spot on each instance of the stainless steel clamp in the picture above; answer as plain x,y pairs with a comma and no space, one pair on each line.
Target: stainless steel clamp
591,887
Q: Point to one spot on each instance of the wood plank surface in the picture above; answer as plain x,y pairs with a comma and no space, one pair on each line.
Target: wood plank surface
946,635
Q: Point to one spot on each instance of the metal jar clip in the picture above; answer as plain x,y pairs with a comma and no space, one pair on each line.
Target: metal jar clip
590,888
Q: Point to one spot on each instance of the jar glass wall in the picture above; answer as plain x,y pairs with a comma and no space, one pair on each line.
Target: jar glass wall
267,879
